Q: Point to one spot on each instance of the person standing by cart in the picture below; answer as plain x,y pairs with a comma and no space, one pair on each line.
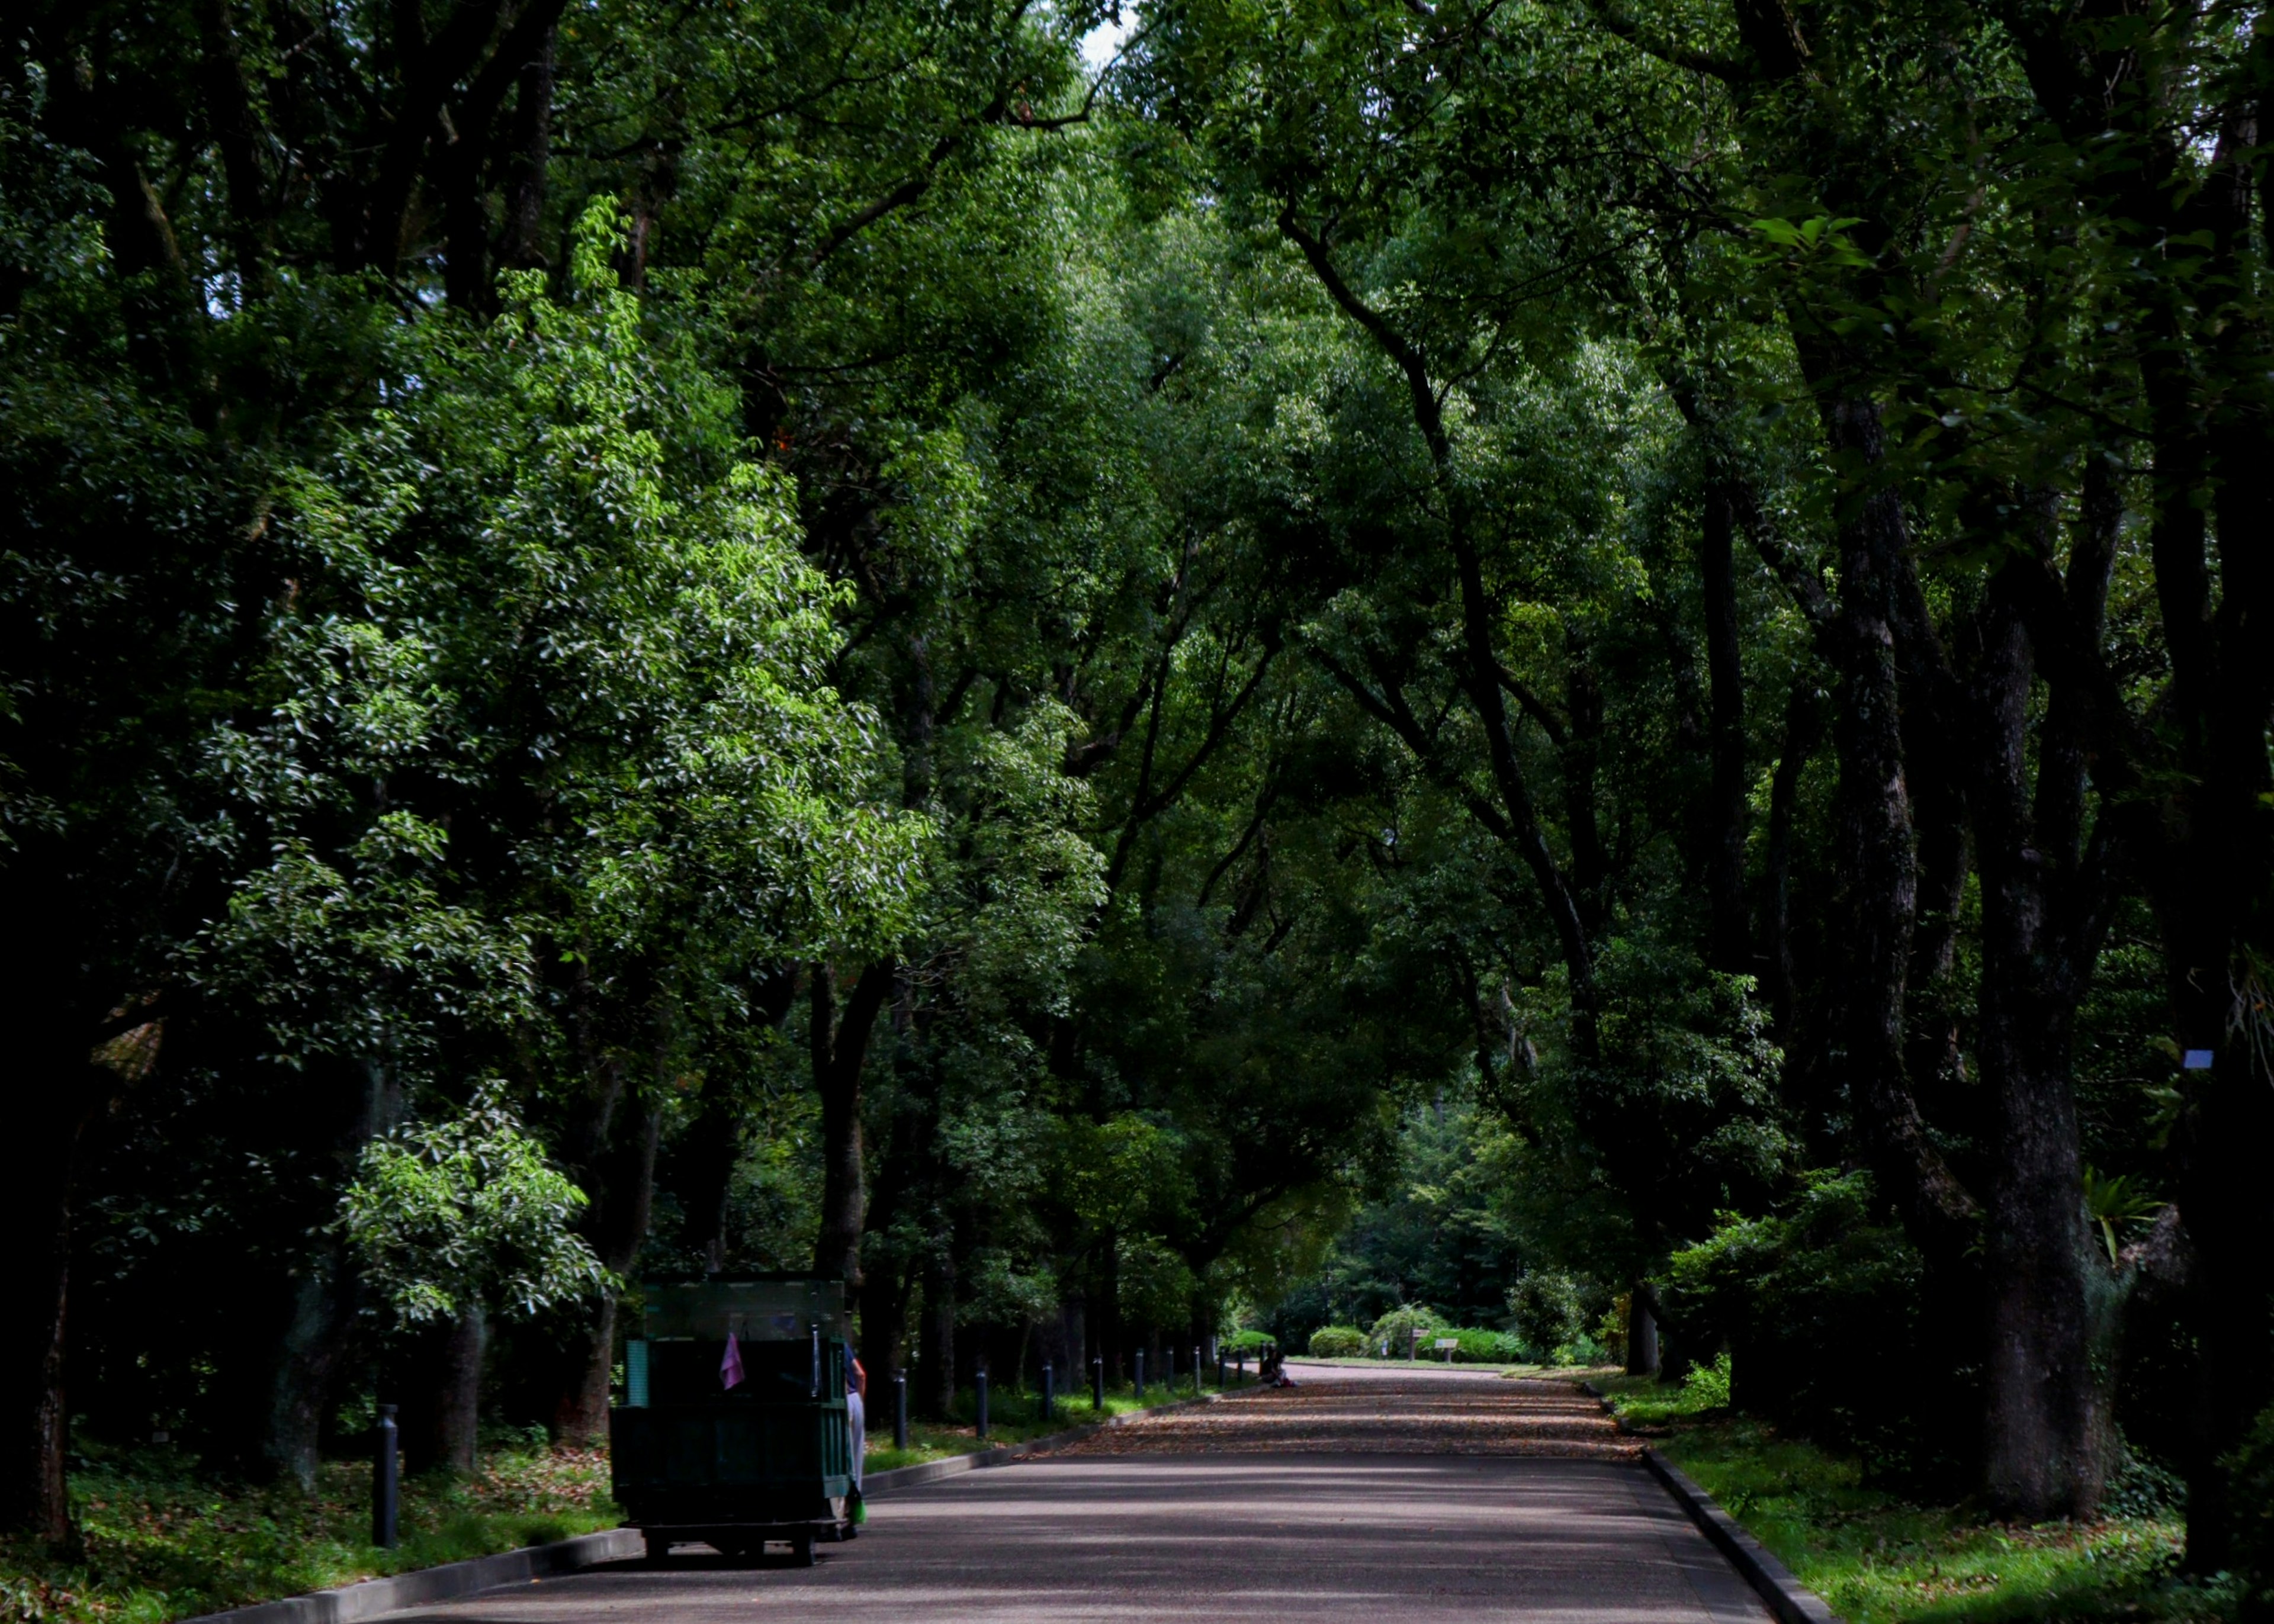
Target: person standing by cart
856,1423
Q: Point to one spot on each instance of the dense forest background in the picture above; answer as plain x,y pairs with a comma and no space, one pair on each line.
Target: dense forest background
1532,658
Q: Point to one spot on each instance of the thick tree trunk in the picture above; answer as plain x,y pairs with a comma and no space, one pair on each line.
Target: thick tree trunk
936,1393
444,1412
67,1090
840,1049
1642,1332
620,1181
37,1206
2049,1439
1730,947
316,1338
1803,728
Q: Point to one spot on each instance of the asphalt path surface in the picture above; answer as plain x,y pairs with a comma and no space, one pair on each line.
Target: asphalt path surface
1405,1495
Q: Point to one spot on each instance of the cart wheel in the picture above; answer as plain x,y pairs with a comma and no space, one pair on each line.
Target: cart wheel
800,1551
658,1548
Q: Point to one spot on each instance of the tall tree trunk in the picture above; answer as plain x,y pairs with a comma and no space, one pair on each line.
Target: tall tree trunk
68,1090
2047,1434
443,1413
1803,728
1642,1331
1730,948
613,1159
1873,852
840,1049
937,1393
36,1210
316,1339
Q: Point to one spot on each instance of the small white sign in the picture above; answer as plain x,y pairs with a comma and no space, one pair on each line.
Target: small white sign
2195,1060
1448,1342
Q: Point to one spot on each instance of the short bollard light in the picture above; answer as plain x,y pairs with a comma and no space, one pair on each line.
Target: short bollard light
1050,1391
1223,1370
900,1409
386,1498
1140,1375
1196,1371
980,1378
1098,1384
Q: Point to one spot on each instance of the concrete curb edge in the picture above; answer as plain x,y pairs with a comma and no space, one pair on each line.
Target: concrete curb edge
370,1597
350,1603
1791,1601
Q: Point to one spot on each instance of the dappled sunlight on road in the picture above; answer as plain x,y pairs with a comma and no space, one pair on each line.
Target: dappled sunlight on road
1365,1412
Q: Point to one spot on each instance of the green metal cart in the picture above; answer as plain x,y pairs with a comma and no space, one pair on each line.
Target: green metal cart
768,1459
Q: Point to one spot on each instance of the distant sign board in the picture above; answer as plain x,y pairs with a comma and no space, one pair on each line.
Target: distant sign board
1448,1342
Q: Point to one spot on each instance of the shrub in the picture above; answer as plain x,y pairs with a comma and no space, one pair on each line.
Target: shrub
1337,1342
1831,1301
1709,1384
1582,1349
1547,1309
1399,1328
1482,1347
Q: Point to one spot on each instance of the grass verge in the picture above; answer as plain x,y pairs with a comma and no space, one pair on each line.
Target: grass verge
1879,1559
163,1543
1012,1418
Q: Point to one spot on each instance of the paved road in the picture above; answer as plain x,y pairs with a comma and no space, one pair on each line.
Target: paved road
1526,1516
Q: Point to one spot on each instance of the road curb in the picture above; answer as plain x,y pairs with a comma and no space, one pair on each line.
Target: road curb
1792,1601
931,1471
422,1586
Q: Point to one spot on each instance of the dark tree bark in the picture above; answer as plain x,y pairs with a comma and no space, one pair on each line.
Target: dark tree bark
36,1208
1803,730
2048,1437
622,1195
840,1049
442,1414
1642,1331
1730,948
937,1387
610,1149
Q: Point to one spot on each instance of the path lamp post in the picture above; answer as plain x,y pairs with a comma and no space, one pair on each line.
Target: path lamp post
1196,1371
385,1500
1140,1375
1049,1388
1098,1384
900,1409
1221,1371
980,1378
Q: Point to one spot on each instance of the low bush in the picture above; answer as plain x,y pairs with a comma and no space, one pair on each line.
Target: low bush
1400,1329
1482,1347
1337,1342
1547,1308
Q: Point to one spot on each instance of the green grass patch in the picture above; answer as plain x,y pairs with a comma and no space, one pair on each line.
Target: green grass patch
1486,1366
1012,1418
162,1542
1880,1558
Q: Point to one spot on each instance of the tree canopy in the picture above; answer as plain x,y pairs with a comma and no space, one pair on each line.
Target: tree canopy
1507,659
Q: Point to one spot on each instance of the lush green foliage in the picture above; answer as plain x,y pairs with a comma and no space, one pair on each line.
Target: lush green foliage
1382,669
163,1541
1878,1558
